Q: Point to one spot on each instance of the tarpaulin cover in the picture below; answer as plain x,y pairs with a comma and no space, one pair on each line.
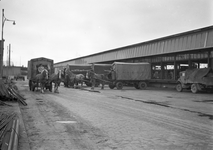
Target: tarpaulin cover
33,66
102,68
132,71
204,76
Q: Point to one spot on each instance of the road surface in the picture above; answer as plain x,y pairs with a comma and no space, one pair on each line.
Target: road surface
127,119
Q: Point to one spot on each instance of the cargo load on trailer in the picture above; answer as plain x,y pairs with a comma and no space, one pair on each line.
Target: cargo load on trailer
137,74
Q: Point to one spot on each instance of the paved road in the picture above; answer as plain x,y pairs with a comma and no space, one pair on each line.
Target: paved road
122,119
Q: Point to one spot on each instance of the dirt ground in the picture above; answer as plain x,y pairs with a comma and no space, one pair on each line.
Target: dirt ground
50,126
114,119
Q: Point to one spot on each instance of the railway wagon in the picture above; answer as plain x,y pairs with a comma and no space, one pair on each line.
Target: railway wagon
136,74
35,67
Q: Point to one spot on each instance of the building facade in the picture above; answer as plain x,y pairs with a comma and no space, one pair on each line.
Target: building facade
14,71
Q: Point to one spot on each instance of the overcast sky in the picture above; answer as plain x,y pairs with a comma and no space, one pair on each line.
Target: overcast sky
67,29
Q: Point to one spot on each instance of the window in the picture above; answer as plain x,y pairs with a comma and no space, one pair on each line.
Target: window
156,59
182,57
143,60
202,55
203,65
182,74
168,58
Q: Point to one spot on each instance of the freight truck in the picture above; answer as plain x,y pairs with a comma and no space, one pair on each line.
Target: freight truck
136,74
196,80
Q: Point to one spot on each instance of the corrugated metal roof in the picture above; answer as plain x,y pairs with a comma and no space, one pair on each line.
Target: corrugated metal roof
191,40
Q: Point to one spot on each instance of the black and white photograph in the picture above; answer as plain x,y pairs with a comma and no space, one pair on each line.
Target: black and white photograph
106,75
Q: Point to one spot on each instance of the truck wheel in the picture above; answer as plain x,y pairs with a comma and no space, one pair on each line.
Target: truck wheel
136,86
111,86
119,85
142,85
179,87
194,88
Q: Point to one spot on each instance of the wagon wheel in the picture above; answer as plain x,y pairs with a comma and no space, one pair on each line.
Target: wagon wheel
194,88
142,85
136,85
111,86
119,85
179,87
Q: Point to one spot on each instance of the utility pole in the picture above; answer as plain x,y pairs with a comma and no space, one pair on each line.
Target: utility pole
4,19
9,54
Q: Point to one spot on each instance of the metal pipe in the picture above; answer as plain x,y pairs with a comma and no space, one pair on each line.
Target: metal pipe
12,135
15,143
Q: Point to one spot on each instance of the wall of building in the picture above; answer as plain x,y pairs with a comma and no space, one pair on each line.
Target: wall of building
13,71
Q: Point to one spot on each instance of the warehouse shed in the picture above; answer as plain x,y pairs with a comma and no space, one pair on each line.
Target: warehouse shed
168,55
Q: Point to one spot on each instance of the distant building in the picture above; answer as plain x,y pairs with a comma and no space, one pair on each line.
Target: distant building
14,71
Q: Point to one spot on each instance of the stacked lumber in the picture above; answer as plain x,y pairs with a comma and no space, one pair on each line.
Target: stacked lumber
8,93
15,95
3,90
9,131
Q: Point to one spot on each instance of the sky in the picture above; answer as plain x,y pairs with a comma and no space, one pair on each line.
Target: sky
68,29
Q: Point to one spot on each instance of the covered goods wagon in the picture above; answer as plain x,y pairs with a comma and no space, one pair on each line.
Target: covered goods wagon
136,74
35,67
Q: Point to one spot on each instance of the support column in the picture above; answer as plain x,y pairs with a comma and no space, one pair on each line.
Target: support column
209,59
151,68
190,62
175,68
162,70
